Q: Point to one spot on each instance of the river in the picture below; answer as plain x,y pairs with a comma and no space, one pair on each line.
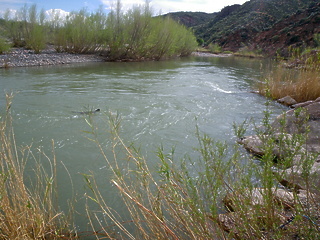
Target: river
160,103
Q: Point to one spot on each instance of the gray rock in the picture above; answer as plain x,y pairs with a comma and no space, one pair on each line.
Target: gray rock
257,197
288,101
296,177
282,146
303,122
306,121
303,104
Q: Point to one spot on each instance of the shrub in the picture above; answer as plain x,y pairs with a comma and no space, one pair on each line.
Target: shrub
4,46
215,48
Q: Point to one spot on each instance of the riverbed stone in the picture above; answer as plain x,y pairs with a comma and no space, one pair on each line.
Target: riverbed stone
256,197
287,100
282,146
295,177
232,222
18,57
305,121
303,104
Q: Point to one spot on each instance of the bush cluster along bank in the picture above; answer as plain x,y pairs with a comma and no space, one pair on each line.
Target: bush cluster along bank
119,35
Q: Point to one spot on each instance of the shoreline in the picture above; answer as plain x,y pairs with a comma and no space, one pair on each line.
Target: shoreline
19,57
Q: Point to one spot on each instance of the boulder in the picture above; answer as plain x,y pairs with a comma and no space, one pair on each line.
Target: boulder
251,204
305,120
282,146
301,122
303,104
295,177
233,223
257,197
288,101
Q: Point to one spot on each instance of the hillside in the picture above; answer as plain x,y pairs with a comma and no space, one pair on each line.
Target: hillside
191,19
296,31
258,23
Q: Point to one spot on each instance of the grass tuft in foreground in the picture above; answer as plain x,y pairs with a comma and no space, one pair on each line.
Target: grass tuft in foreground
27,211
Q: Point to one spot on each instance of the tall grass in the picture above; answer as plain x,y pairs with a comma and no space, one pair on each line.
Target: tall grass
297,77
300,84
27,203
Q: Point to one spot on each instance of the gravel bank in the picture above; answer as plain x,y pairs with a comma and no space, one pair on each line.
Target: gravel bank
25,58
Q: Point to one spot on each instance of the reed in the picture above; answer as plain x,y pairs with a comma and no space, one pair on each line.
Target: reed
28,206
300,84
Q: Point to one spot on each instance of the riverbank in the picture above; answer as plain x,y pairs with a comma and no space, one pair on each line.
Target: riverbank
19,57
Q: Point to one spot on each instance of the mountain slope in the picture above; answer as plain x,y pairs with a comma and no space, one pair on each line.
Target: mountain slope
191,19
251,17
297,30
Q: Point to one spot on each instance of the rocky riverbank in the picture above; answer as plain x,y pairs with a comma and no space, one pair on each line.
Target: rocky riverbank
293,141
19,57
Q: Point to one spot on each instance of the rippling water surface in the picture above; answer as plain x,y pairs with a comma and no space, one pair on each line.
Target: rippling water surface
160,104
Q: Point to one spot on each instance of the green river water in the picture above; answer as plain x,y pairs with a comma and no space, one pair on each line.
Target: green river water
160,104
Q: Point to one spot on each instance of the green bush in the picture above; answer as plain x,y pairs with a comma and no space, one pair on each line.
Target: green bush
215,48
316,39
4,46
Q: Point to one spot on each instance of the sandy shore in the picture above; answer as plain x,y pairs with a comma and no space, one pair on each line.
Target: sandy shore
18,57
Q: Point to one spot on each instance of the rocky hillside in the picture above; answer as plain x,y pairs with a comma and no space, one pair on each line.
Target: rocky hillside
297,30
258,24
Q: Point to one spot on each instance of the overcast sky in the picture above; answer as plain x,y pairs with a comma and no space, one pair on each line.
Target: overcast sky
158,6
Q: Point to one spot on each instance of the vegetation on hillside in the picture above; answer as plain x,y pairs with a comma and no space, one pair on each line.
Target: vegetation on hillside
249,18
191,19
119,35
265,26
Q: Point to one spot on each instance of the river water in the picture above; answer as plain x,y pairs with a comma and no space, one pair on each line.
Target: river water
160,104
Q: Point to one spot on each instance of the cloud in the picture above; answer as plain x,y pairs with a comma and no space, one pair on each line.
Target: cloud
165,6
125,4
56,14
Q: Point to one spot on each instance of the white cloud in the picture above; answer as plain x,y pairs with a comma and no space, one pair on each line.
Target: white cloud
125,4
56,14
165,6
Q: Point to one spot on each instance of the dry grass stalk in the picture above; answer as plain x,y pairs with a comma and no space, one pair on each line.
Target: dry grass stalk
27,211
302,85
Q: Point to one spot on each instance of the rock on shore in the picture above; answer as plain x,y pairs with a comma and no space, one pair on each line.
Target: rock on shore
19,57
294,143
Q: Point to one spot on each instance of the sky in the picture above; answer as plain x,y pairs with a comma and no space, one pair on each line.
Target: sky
158,6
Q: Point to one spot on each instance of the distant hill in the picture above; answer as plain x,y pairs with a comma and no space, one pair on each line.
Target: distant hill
251,24
296,30
191,19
